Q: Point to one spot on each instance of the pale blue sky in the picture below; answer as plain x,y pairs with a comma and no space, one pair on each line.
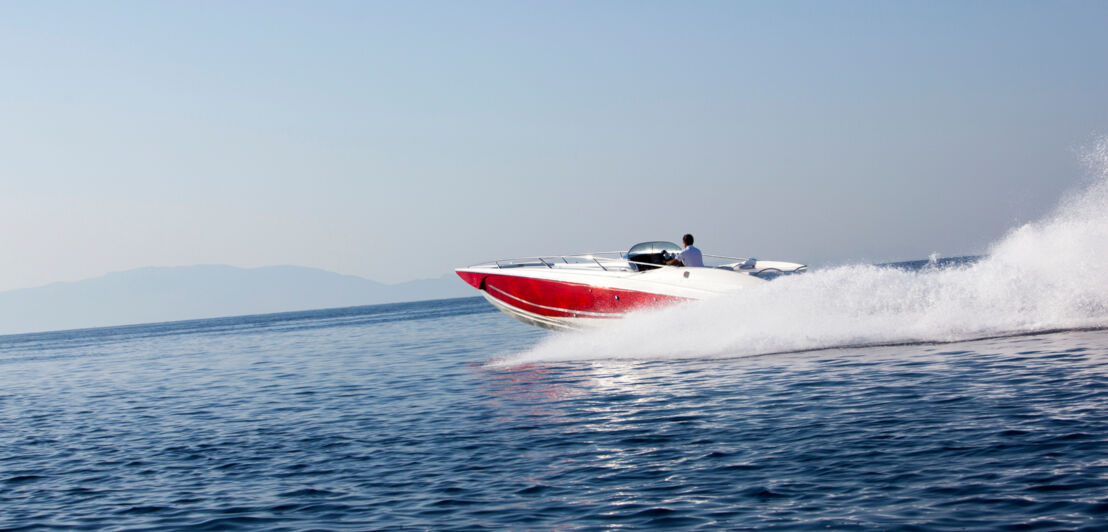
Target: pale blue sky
399,140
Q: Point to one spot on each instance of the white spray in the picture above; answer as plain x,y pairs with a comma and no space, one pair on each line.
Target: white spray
1047,275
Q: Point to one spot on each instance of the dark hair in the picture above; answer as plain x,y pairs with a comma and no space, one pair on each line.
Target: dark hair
687,239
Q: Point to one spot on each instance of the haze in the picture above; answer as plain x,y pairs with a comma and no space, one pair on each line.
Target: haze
398,140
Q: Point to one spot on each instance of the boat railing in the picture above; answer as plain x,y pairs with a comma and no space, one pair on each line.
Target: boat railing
617,260
605,260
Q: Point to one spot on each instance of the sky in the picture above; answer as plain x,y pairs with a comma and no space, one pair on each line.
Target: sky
399,140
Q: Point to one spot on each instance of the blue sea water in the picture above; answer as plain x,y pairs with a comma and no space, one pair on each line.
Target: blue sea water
449,415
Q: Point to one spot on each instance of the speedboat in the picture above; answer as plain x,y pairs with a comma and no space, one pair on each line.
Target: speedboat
578,291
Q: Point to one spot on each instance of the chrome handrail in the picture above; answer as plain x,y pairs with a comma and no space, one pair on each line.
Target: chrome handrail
599,258
607,259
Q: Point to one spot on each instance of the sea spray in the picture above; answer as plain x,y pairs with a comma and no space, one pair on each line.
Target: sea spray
1048,275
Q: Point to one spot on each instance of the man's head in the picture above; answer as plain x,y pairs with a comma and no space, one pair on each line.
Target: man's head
687,239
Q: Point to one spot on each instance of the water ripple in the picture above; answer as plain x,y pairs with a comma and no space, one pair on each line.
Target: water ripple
363,422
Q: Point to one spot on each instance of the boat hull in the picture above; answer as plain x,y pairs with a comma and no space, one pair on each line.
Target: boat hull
532,318
572,300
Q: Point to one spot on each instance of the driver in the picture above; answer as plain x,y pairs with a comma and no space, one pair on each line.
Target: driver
690,256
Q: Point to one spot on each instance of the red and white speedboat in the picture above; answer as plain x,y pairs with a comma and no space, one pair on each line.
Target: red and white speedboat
576,291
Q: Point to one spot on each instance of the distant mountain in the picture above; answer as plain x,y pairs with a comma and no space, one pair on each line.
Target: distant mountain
157,294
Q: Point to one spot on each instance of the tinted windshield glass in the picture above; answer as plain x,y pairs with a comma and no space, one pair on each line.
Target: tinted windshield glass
653,247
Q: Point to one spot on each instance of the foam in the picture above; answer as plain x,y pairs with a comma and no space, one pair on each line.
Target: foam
1046,275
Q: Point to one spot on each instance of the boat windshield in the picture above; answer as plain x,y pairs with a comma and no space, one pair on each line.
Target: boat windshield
650,248
646,256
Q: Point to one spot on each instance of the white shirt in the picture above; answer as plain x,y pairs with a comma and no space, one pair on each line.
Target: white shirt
691,256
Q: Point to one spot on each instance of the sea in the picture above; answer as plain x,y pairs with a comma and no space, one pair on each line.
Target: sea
418,416
929,395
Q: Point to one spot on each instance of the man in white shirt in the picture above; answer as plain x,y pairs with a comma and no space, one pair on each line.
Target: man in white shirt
690,256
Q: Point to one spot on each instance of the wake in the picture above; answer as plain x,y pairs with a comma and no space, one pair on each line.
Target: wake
1047,276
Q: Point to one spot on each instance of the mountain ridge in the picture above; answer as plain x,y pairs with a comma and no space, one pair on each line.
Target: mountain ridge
171,293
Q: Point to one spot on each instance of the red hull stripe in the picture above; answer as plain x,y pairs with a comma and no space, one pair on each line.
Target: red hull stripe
565,300
544,310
